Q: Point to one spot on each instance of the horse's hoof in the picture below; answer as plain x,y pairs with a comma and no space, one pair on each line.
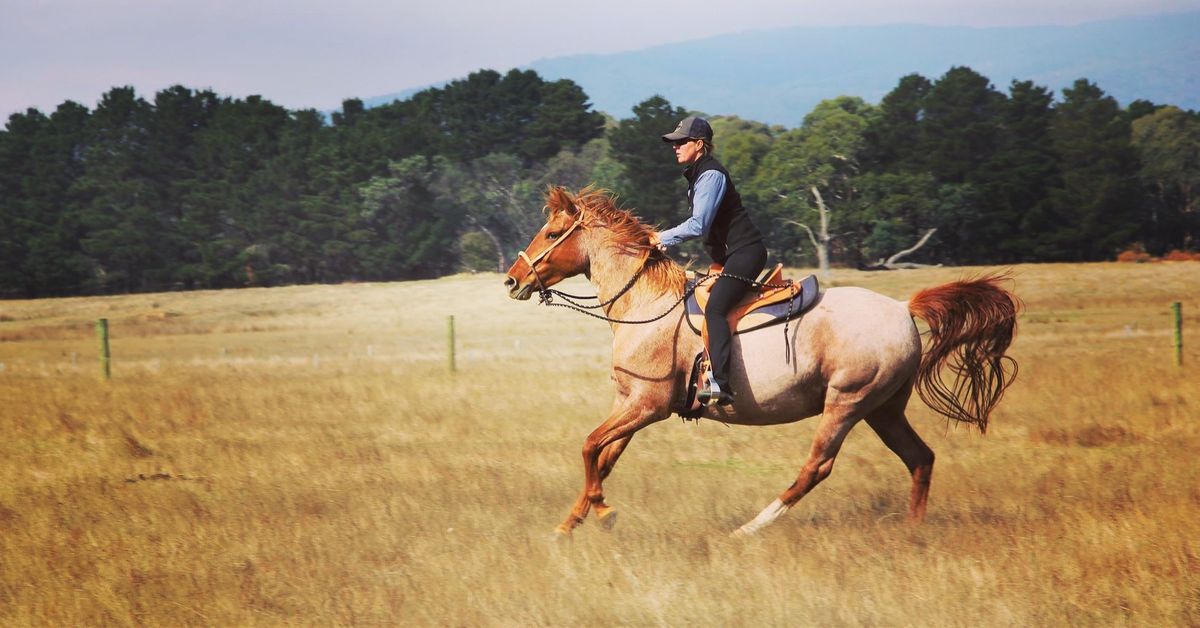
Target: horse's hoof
607,518
741,533
562,534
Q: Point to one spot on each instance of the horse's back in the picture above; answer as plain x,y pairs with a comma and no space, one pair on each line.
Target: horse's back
856,324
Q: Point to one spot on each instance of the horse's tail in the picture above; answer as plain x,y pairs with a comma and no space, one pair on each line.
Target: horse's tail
971,325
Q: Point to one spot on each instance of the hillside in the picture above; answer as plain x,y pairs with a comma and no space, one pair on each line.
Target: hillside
777,76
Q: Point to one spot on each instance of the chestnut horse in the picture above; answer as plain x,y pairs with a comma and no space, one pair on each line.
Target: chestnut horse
856,355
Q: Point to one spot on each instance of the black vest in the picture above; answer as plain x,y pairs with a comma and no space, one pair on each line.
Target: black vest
732,228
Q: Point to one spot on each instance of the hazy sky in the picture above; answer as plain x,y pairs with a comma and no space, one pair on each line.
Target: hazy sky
305,53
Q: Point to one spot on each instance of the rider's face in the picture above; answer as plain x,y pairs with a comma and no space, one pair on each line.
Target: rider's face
688,151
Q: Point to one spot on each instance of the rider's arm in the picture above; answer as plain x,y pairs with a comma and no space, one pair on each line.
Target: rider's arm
709,190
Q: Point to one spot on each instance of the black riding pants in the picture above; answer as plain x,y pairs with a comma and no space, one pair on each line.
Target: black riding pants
747,262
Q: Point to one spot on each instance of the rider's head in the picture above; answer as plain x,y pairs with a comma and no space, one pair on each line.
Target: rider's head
691,139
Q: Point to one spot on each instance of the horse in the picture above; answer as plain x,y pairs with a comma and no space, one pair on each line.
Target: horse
856,355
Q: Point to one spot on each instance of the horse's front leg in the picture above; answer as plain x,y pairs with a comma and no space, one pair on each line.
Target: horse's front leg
606,515
600,452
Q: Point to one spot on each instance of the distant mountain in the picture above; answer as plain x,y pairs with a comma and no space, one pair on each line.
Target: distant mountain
778,76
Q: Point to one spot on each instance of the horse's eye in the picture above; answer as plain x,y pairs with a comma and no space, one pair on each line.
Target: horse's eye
553,235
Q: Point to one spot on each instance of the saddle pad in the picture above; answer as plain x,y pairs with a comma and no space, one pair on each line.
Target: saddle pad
765,314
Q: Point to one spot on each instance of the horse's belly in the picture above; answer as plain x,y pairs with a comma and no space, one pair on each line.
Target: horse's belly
747,411
773,385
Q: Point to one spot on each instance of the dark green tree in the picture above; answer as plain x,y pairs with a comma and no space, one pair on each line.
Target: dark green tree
228,220
40,159
178,117
964,139
1168,143
562,121
406,231
16,143
651,181
1092,210
891,212
118,197
960,127
1016,178
807,179
894,136
296,219
742,144
1140,107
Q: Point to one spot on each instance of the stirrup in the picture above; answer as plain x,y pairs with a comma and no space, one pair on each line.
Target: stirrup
709,398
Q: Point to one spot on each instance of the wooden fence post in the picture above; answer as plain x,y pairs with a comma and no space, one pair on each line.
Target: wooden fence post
453,366
1177,308
105,356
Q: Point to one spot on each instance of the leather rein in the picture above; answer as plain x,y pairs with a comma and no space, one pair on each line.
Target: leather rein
546,295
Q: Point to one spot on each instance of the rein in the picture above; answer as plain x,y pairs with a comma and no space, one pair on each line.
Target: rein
547,296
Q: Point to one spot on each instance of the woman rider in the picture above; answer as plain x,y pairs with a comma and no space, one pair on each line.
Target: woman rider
731,238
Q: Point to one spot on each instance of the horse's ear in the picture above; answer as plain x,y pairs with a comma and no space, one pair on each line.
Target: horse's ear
558,199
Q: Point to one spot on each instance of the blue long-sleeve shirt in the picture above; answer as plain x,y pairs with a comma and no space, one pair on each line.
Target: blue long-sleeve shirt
707,193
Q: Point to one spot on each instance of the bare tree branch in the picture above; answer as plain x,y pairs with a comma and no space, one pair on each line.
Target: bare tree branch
925,238
811,236
892,262
501,261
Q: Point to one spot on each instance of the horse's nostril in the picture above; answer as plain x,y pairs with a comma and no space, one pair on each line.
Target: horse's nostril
510,282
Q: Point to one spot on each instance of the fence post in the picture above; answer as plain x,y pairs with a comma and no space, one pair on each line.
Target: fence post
453,367
1177,308
105,356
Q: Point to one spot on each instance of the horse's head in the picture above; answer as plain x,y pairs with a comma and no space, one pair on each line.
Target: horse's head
557,252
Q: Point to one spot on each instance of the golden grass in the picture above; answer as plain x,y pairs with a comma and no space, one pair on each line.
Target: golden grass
301,456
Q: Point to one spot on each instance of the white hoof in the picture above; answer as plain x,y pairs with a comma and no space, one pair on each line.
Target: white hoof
764,518
742,533
608,519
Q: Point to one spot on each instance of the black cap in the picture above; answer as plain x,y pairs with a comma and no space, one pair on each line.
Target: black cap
690,127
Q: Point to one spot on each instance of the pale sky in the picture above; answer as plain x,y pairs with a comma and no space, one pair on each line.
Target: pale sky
305,53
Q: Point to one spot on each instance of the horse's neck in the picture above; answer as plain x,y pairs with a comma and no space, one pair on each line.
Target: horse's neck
642,351
612,273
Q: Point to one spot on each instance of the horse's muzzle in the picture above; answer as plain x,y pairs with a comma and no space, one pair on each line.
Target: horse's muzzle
515,291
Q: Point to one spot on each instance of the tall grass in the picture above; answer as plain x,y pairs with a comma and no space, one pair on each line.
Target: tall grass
303,456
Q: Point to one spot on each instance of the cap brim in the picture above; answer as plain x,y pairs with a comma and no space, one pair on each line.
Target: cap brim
674,136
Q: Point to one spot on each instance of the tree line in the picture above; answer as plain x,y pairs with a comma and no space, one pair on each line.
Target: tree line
195,190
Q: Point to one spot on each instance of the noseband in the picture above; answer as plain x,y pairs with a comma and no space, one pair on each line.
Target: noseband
531,262
547,295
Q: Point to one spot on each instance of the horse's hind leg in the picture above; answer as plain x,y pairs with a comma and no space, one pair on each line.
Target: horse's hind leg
835,424
894,430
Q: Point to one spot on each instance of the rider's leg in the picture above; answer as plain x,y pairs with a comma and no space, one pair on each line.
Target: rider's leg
745,262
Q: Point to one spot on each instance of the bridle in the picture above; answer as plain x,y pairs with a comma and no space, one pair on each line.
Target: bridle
532,262
546,295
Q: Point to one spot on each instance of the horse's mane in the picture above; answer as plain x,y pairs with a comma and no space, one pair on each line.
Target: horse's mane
624,229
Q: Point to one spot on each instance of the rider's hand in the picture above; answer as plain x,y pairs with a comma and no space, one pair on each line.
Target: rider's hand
656,243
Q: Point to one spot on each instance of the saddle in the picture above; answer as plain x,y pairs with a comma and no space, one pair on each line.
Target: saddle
773,303
776,301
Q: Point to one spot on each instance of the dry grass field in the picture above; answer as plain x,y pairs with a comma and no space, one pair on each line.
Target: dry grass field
302,456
